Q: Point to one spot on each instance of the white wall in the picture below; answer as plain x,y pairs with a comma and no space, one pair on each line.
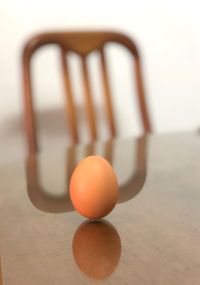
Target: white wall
168,35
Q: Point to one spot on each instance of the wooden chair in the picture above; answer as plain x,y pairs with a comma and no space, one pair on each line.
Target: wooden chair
81,43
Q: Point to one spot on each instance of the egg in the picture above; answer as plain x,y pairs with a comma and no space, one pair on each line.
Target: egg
93,187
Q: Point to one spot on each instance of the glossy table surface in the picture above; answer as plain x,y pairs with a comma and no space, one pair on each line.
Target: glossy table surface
151,237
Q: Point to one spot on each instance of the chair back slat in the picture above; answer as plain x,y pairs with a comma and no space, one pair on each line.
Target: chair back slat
29,114
69,101
88,99
141,97
107,94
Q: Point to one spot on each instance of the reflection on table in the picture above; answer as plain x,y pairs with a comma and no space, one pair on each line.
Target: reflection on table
97,248
43,200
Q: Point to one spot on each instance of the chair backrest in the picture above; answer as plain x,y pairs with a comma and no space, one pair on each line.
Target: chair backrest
81,43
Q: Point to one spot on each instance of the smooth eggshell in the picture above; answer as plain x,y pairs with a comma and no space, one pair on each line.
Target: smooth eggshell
93,187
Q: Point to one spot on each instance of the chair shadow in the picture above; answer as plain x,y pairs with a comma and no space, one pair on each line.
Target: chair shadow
47,202
50,122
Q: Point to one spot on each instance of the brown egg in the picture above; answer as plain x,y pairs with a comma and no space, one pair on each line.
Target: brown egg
97,249
93,187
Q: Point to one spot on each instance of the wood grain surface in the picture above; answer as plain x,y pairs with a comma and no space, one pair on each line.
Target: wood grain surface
151,237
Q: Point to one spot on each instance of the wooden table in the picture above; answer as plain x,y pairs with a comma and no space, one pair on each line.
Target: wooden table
151,237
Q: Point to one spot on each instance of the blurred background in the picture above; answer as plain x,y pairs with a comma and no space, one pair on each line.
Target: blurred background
168,36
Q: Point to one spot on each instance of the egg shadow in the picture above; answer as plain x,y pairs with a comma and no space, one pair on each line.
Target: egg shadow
96,248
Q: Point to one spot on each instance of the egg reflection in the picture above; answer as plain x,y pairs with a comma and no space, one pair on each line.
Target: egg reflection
97,248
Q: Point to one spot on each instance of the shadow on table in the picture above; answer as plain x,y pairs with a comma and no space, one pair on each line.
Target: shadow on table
47,202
